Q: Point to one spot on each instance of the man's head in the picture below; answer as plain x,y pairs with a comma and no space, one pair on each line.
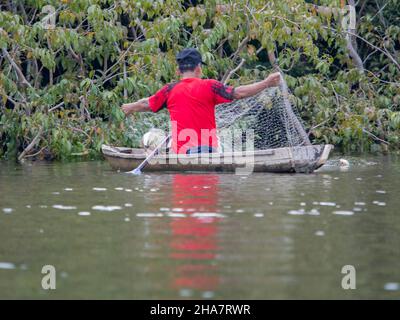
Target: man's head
189,60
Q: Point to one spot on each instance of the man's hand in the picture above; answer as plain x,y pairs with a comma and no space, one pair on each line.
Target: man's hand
139,106
274,79
126,108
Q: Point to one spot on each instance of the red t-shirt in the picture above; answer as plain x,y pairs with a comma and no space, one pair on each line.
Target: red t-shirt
191,104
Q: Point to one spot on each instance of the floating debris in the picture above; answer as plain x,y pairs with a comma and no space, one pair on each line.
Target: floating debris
176,215
7,265
328,204
119,188
379,203
149,215
62,207
68,189
381,191
343,213
84,213
392,286
127,219
106,208
313,212
343,163
208,295
99,189
320,233
128,205
207,215
8,210
185,293
297,212
359,203
259,215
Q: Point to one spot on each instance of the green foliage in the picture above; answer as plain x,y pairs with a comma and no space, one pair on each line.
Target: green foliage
102,53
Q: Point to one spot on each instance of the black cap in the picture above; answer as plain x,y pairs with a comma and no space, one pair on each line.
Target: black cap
189,57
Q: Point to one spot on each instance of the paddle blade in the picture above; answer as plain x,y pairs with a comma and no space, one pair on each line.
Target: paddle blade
135,172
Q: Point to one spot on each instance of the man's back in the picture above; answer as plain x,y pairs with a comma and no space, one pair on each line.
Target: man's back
191,104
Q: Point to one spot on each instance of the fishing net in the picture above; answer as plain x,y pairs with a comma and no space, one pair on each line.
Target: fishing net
268,119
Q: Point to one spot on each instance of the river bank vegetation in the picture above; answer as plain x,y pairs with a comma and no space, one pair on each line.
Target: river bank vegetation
67,66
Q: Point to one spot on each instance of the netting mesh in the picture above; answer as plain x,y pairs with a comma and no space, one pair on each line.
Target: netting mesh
275,123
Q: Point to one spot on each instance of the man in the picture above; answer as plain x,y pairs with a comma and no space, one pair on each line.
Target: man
191,103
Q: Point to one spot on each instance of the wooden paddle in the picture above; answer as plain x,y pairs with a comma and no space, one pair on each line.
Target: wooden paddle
138,170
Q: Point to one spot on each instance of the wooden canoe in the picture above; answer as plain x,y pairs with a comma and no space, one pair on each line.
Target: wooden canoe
303,159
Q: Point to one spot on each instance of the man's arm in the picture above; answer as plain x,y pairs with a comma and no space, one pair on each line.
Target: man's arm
249,90
141,105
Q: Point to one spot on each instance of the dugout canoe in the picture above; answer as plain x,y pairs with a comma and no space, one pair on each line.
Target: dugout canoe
304,159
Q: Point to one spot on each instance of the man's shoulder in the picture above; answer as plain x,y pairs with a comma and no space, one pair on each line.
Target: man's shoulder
209,81
203,83
210,84
169,86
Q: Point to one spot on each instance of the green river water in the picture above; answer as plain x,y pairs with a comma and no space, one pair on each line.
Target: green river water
200,236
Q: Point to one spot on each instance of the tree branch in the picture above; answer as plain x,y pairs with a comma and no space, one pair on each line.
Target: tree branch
226,78
31,145
228,73
56,106
79,59
385,52
351,41
375,137
17,69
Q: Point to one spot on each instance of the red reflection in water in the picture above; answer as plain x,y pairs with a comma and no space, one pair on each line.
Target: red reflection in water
194,241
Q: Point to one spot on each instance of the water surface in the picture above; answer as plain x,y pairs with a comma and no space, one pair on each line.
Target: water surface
202,236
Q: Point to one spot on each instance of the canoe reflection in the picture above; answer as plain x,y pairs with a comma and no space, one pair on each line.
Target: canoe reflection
194,238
